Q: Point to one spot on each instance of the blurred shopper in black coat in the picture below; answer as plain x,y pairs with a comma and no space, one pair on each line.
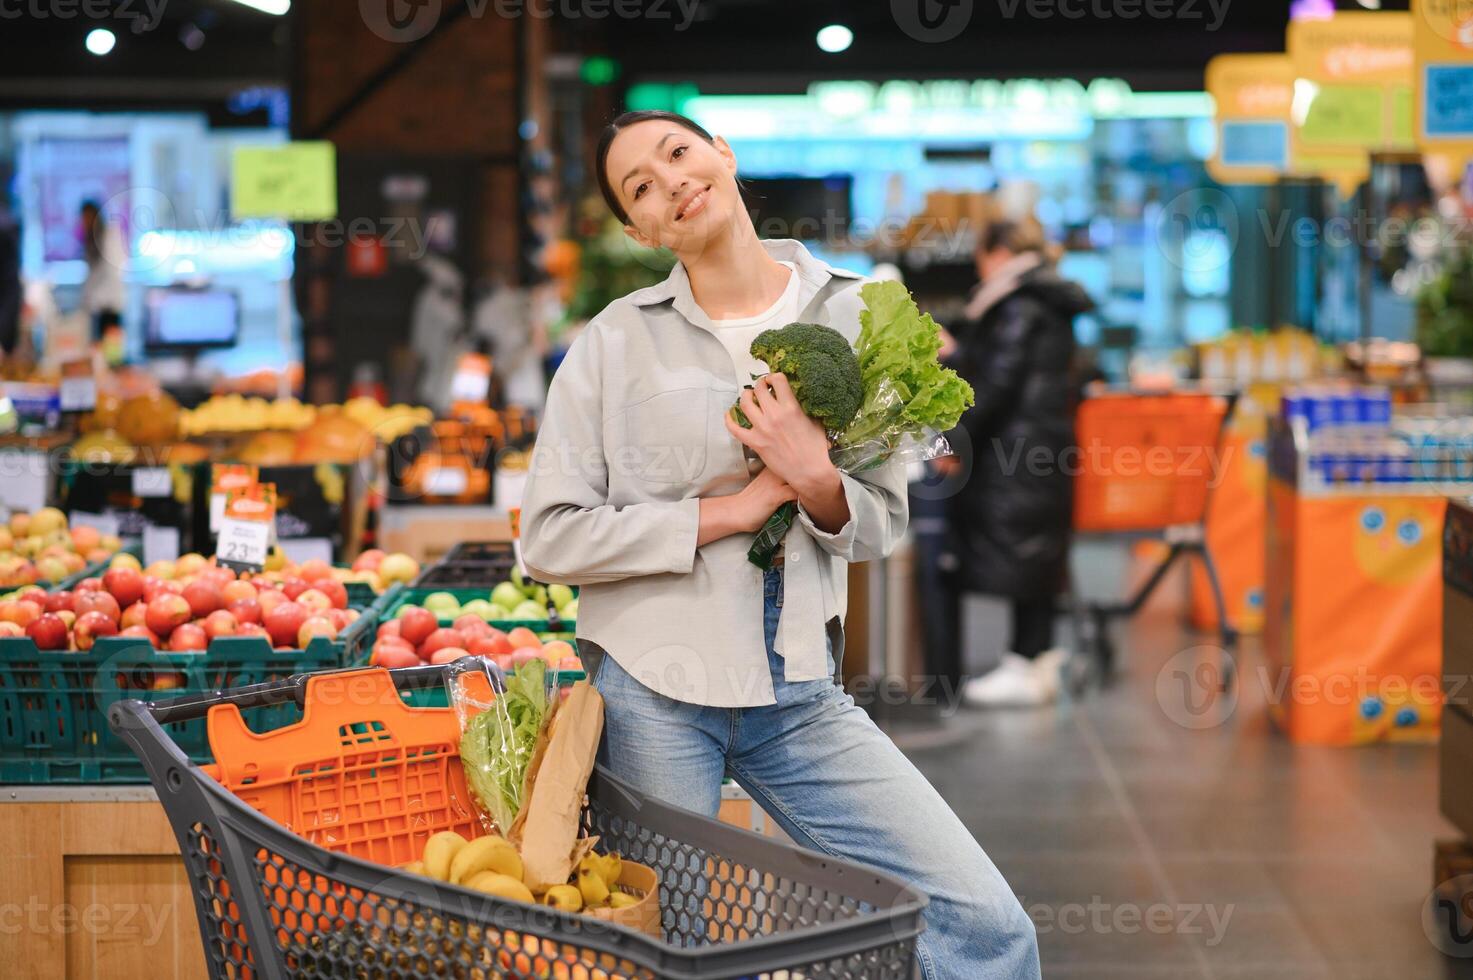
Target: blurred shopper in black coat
1009,519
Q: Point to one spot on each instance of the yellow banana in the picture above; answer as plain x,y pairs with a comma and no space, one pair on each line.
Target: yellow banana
440,850
490,853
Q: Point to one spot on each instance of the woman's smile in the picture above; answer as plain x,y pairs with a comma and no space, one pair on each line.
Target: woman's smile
694,204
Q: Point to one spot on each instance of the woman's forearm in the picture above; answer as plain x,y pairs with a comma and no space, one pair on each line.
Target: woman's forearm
719,519
825,502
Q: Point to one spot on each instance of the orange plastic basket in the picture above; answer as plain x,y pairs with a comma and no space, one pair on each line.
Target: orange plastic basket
1145,461
362,773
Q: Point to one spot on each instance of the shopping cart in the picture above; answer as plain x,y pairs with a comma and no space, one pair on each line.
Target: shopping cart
292,837
1146,472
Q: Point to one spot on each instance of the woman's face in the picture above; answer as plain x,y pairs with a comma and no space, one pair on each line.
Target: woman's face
679,191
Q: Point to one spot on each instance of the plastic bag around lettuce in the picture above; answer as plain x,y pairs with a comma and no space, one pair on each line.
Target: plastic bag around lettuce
499,737
890,442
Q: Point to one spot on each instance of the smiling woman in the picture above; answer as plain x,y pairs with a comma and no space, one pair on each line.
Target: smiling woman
644,492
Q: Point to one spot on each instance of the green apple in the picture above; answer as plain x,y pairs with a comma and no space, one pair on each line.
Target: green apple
507,595
539,596
529,610
569,609
500,612
520,582
560,594
480,607
440,602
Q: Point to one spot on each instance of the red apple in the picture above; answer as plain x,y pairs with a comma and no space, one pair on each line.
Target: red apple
48,631
33,594
503,643
488,646
523,637
417,624
220,623
11,629
283,623
447,654
270,599
334,590
341,618
233,592
368,561
125,584
166,613
203,597
245,611
144,632
90,627
503,660
294,587
67,616
472,625
21,612
188,637
315,626
439,640
135,615
91,584
522,655
391,628
252,629
314,600
102,602
393,656
56,601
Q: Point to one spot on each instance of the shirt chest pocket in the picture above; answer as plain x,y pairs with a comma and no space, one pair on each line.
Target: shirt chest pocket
666,438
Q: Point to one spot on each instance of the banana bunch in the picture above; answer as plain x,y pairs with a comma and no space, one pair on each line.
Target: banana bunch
388,423
492,865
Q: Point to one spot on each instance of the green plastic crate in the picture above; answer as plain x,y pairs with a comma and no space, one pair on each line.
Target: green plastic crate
53,704
393,600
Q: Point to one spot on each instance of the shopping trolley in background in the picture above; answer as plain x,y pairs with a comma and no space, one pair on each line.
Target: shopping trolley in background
291,841
1145,471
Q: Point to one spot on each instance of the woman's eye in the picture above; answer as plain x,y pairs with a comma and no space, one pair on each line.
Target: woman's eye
638,191
679,151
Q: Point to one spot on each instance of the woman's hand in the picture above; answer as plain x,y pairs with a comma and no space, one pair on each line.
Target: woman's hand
794,447
788,441
744,511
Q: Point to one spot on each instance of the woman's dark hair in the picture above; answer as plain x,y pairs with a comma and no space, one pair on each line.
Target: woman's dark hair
623,122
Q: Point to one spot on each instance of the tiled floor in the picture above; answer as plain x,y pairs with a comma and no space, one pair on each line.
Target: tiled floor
1147,849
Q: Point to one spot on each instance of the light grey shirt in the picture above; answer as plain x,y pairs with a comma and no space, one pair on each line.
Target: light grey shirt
631,439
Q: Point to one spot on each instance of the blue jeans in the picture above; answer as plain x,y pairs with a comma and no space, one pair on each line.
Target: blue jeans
836,784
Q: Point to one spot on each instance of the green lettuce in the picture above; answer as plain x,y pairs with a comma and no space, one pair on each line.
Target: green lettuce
906,390
496,746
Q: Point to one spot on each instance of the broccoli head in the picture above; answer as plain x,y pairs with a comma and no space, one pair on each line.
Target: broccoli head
821,368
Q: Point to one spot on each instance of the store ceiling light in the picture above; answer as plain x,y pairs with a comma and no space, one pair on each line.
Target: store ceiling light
835,38
101,41
277,7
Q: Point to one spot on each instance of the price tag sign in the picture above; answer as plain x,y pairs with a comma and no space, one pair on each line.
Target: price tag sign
225,478
245,528
243,544
160,544
152,481
445,481
78,388
472,379
106,524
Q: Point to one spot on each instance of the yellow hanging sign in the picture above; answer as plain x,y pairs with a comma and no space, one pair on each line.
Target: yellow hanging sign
1443,83
1253,94
1352,92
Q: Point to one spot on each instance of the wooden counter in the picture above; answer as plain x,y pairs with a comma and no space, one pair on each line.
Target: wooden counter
93,887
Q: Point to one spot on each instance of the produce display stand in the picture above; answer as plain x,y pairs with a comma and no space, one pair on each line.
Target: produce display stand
96,885
1145,471
427,532
54,703
733,904
471,564
1353,624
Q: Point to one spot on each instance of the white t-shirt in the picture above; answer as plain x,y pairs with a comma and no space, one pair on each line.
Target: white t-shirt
737,334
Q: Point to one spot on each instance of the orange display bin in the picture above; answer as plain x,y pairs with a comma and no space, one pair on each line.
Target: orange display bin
1236,510
1353,619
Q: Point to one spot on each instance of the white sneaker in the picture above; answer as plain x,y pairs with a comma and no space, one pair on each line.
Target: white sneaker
1017,682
